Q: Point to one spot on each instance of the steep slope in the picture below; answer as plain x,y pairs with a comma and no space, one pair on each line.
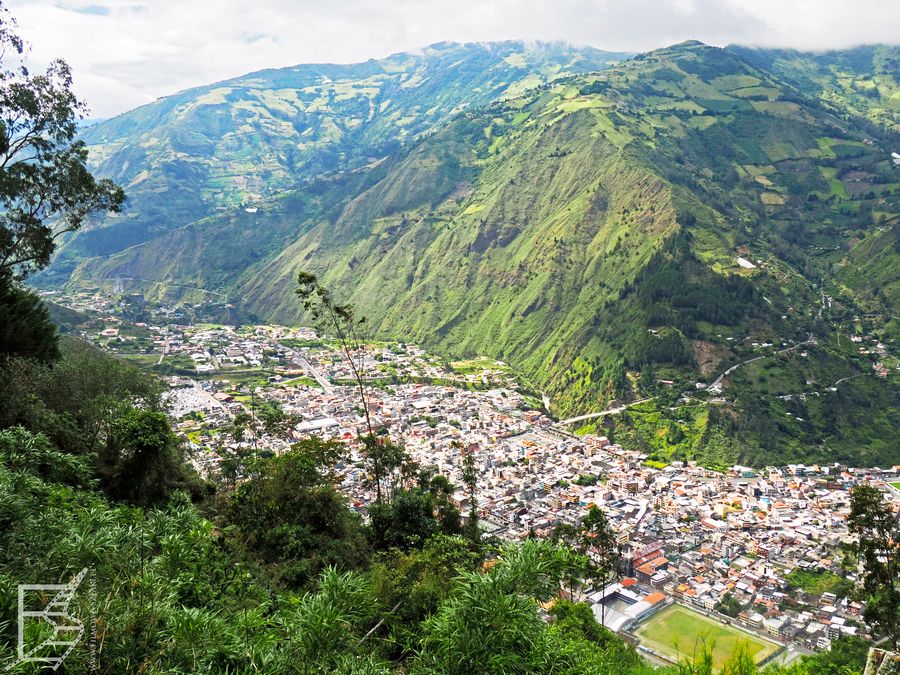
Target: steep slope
655,222
864,81
590,232
186,156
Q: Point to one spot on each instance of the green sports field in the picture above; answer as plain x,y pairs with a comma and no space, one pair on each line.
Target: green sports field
896,485
678,632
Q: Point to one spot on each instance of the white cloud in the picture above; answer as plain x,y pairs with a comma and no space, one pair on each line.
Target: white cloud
128,52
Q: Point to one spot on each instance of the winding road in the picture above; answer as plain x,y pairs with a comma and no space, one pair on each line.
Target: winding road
717,383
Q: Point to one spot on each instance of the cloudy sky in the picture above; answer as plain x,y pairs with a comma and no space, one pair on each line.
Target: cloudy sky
129,52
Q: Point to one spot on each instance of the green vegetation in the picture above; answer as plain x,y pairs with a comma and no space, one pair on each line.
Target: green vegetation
729,606
239,144
819,581
273,574
677,632
46,190
862,80
877,532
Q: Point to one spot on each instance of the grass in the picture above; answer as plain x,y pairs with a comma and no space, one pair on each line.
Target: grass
678,632
835,186
818,582
298,381
896,485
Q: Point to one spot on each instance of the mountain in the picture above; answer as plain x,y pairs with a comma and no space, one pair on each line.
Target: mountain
190,155
608,234
862,81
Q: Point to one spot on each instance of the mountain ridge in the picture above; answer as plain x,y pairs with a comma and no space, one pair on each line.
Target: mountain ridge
186,156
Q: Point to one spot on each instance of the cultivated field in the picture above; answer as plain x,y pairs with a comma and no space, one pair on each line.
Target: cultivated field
678,632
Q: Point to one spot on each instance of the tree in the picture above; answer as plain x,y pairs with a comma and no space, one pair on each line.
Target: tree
406,522
878,551
291,516
470,478
603,550
415,583
412,516
383,459
729,606
25,326
241,422
324,309
490,623
603,651
569,536
382,456
43,172
150,465
445,510
846,656
273,417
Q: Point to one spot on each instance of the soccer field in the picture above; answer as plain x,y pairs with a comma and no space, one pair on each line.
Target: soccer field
678,632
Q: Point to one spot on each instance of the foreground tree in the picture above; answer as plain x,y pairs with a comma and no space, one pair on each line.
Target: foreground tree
878,551
148,465
325,310
490,622
470,478
291,518
382,456
26,328
46,189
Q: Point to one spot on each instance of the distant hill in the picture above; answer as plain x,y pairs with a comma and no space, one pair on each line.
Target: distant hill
233,143
608,233
864,81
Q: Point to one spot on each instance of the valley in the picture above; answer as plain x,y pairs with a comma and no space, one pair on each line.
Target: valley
254,390
483,357
600,232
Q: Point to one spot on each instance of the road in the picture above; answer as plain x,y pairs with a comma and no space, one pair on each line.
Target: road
117,281
313,373
717,383
604,413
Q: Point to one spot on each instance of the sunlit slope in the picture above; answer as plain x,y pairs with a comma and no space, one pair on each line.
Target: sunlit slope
863,81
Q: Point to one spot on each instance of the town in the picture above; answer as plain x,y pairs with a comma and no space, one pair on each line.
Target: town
757,550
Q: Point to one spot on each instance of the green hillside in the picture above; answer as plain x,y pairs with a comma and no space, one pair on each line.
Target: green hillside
588,231
864,81
233,143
